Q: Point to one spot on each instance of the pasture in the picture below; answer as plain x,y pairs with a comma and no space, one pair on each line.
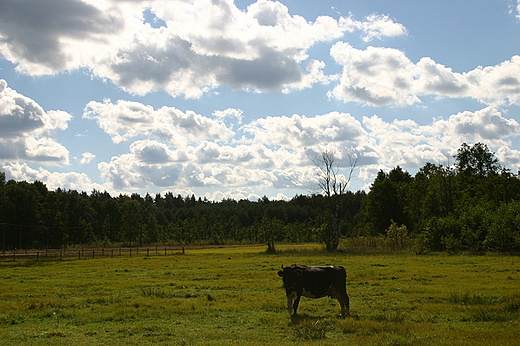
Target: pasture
233,296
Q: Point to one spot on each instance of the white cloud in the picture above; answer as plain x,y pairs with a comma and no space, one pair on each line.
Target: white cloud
286,162
376,76
126,119
300,131
375,26
510,158
486,125
203,45
53,180
54,35
45,150
496,85
236,194
230,113
86,158
514,9
27,131
435,79
410,145
19,115
385,77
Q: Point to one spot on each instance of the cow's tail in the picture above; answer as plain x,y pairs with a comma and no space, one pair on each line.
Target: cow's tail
342,292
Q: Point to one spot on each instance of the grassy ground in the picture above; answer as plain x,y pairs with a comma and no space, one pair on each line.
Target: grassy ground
234,296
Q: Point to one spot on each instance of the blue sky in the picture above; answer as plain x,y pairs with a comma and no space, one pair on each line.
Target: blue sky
226,99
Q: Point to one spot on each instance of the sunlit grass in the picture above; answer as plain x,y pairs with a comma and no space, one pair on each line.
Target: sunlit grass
232,295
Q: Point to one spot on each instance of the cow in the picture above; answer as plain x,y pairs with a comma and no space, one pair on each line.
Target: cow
315,282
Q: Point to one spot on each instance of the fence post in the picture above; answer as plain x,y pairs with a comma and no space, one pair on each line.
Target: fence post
165,251
92,254
147,252
79,254
14,256
112,255
60,255
130,252
37,255
137,251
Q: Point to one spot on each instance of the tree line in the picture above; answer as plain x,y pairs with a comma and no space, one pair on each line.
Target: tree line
473,205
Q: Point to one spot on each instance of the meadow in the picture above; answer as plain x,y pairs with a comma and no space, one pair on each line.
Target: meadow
233,296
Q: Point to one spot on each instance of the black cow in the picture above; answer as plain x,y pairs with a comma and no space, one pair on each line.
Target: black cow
315,282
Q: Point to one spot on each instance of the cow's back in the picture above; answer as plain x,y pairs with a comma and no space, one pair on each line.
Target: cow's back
320,280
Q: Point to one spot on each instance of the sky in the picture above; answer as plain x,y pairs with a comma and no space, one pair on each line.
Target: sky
223,99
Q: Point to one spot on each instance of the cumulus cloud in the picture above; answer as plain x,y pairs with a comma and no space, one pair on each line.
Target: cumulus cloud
385,76
496,85
230,114
375,26
410,145
202,44
509,157
86,158
279,151
54,35
376,76
53,180
126,119
485,125
27,131
301,131
236,194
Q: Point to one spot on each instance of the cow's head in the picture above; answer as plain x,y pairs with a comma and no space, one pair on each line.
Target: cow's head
289,276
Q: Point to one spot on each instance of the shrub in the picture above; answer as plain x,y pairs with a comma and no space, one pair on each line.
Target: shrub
504,233
475,223
440,234
397,236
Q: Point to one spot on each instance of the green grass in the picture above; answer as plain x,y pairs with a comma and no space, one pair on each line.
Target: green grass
234,296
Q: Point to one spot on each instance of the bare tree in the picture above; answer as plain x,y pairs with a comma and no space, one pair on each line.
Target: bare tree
332,184
330,181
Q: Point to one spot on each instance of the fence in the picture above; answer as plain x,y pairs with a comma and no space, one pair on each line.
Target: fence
56,254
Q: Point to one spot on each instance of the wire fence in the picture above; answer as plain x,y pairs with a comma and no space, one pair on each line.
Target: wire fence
79,254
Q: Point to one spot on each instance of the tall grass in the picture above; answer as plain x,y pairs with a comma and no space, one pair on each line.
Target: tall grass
480,308
311,329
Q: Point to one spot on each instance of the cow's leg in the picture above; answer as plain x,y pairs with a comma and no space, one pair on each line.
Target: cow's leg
296,302
290,298
345,304
343,300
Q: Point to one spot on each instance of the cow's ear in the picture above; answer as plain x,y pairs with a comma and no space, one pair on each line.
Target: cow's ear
298,272
280,273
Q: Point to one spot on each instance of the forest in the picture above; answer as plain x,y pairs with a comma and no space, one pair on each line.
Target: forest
473,206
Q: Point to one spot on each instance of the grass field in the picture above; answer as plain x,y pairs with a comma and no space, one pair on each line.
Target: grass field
233,296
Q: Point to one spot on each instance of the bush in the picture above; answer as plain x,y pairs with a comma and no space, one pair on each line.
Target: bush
397,236
441,234
504,233
476,222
